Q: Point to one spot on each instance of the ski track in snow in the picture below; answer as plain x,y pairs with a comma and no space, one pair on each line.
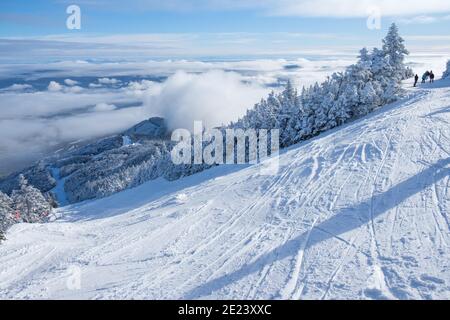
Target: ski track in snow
361,212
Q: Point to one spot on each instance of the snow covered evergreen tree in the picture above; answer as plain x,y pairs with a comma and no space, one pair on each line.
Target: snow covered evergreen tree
447,71
29,203
6,214
289,112
364,57
394,48
385,76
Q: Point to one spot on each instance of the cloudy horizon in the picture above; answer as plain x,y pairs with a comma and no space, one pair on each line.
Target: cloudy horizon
148,29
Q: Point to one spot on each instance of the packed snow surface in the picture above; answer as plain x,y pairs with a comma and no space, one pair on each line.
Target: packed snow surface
360,212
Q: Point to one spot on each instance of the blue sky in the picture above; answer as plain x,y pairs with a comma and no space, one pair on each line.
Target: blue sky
214,27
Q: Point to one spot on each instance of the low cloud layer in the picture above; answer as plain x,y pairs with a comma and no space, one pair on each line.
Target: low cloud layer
215,97
35,123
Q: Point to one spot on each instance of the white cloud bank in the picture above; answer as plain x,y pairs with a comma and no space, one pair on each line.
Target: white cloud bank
103,107
70,82
424,19
32,124
214,97
18,87
54,86
25,140
108,81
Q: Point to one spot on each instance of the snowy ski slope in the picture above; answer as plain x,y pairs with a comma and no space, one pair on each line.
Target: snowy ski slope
362,212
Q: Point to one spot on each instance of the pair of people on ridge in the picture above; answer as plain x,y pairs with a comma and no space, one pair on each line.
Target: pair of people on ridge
426,75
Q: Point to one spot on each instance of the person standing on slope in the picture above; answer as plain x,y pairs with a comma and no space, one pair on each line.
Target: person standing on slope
416,79
425,77
431,77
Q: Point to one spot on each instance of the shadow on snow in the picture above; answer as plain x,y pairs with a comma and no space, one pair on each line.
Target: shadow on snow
345,220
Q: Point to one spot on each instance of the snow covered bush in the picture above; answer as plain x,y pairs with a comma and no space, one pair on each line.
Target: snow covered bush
447,71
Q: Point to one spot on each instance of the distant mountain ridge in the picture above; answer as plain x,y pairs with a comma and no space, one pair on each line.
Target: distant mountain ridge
155,128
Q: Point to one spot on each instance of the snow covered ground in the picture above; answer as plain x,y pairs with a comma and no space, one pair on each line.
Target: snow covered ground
361,212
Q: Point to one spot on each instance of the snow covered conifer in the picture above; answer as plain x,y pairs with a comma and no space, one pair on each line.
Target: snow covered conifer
447,71
5,200
267,115
289,113
29,203
6,214
384,74
364,57
369,98
394,48
289,92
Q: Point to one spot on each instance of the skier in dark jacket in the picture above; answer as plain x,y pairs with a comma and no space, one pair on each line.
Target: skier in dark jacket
416,79
431,77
